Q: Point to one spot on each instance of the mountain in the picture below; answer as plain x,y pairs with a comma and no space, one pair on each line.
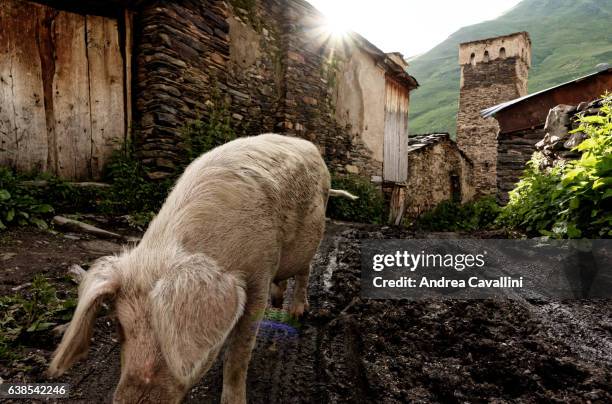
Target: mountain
568,37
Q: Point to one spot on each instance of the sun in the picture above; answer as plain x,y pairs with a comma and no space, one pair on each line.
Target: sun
337,27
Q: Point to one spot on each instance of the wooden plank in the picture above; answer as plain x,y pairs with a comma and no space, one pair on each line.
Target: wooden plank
23,138
71,97
397,205
8,148
128,51
46,50
106,87
395,157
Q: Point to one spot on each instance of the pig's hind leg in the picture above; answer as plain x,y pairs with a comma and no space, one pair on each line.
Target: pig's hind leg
277,293
299,302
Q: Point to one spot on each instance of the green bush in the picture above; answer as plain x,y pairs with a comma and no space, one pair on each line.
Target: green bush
18,205
204,135
453,216
132,192
25,317
573,199
65,197
369,208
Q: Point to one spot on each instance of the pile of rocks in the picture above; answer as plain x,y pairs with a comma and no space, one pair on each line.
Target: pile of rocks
558,143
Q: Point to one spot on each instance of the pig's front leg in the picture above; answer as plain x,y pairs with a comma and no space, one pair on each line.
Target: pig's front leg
240,344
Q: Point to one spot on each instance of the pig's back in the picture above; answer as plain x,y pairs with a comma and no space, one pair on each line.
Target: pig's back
247,200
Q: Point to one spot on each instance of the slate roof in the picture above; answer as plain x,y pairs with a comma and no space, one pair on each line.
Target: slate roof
416,142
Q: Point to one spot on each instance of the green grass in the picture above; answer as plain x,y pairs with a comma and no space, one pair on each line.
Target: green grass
569,38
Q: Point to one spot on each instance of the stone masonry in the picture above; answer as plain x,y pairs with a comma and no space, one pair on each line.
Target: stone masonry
437,171
513,152
265,58
493,71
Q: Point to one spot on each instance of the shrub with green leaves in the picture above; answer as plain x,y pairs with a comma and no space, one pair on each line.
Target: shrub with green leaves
369,208
65,197
204,135
132,192
453,216
18,204
25,317
572,199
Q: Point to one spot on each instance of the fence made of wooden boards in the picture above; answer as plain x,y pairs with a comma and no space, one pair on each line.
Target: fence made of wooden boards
62,90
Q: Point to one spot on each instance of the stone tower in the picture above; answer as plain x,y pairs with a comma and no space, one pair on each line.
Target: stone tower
493,71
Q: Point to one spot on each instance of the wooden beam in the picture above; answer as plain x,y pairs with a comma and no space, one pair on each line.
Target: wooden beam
128,44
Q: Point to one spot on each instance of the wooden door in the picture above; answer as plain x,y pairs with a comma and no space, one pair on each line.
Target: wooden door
395,152
62,90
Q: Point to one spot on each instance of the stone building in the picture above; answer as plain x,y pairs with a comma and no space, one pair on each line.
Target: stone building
75,76
438,171
493,70
522,122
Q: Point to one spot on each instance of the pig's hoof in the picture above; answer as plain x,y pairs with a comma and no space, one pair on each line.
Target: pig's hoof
297,310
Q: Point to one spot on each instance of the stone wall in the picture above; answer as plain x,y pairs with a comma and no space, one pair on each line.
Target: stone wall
437,171
263,60
513,151
492,71
311,68
558,143
360,104
182,54
255,72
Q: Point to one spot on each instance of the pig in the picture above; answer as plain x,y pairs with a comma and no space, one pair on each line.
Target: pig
240,220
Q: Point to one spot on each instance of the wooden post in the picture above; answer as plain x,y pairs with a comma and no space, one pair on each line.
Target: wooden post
128,18
397,205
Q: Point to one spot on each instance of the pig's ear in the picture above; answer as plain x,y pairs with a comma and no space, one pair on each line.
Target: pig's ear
99,283
194,308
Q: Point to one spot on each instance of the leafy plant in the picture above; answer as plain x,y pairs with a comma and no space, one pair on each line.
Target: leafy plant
204,135
453,216
132,192
18,205
369,208
24,317
572,199
65,197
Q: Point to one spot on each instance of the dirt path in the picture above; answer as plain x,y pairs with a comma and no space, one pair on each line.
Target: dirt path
361,351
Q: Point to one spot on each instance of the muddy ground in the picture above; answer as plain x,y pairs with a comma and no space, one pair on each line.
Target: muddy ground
360,351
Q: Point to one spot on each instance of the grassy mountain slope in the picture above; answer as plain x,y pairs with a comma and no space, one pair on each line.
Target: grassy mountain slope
569,37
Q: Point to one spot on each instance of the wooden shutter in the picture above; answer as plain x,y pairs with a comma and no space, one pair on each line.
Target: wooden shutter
395,155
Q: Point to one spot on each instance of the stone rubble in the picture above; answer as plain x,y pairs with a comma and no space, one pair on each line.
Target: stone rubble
558,143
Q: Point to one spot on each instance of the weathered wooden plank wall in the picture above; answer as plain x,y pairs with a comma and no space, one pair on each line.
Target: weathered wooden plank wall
106,89
71,97
62,90
22,113
395,152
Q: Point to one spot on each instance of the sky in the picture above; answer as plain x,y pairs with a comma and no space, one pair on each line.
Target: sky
411,27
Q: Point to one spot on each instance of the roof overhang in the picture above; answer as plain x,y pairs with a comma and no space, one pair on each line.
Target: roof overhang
386,62
530,111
